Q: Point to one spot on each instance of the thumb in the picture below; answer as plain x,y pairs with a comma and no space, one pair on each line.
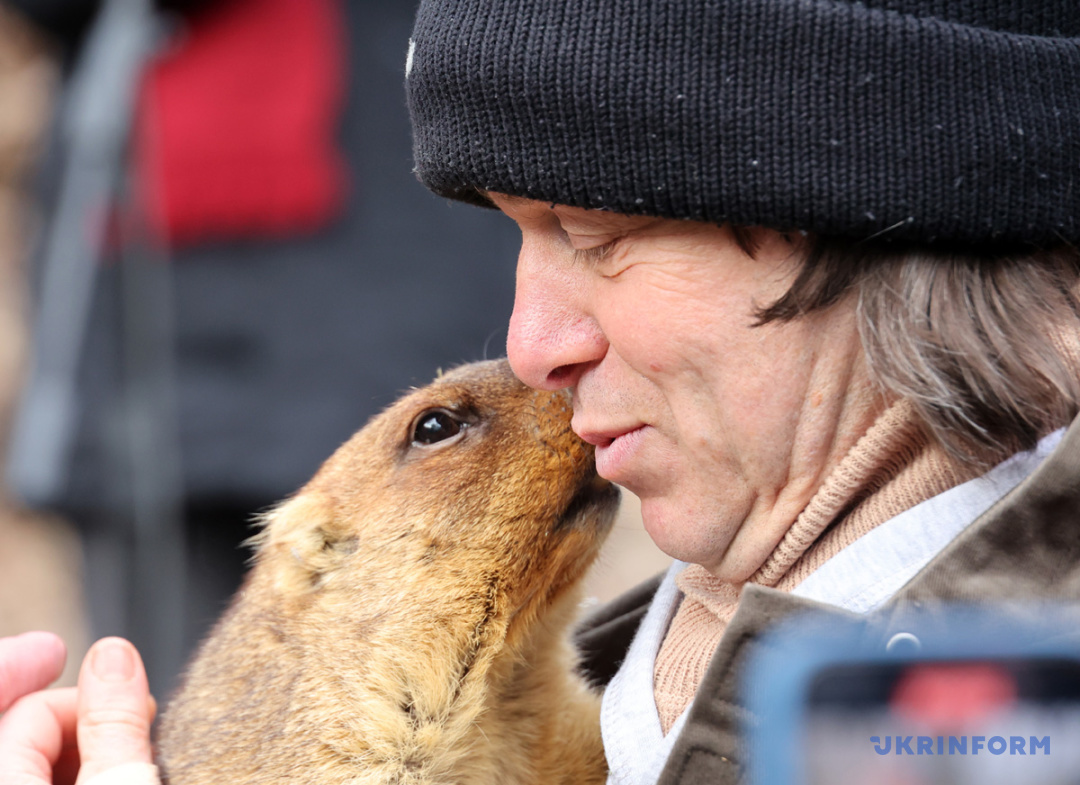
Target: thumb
115,709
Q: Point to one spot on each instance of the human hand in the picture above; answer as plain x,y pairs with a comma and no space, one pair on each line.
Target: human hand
97,731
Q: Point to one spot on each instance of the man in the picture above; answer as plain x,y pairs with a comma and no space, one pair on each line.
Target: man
810,270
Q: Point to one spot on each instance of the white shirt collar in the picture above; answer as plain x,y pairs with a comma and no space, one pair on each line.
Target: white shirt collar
635,746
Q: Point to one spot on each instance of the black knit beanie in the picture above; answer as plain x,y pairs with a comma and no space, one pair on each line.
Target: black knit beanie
916,120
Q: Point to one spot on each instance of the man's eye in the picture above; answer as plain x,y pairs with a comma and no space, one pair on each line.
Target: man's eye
434,426
593,255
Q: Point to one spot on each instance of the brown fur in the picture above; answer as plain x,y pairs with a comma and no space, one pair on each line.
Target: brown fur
405,619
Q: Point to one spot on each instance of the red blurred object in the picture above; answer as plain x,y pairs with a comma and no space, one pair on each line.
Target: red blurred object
949,696
236,132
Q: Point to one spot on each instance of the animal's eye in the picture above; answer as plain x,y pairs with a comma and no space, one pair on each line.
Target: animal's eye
435,425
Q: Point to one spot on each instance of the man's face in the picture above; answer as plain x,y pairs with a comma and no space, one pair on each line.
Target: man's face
724,430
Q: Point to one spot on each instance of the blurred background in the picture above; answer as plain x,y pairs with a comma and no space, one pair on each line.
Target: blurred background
215,265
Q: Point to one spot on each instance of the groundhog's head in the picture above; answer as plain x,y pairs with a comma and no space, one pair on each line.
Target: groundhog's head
473,490
416,588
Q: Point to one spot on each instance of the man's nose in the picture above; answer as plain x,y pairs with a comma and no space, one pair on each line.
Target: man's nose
553,337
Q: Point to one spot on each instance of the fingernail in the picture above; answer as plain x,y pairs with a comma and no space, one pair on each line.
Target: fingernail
113,661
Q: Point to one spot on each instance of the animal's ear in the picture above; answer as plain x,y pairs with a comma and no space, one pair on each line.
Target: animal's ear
293,542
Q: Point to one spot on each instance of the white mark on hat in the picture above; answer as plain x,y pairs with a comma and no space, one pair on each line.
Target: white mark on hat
409,58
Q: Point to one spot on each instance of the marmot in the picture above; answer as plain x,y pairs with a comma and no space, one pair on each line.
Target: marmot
405,619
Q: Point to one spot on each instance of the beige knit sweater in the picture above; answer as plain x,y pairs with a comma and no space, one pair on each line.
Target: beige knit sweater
893,467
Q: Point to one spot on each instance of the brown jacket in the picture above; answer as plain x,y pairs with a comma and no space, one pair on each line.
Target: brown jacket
1026,547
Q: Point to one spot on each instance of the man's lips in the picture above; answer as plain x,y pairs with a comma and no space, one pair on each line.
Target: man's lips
604,438
614,448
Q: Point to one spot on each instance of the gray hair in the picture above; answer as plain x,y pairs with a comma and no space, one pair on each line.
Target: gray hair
985,345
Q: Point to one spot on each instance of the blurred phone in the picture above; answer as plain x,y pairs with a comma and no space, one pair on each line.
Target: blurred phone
977,700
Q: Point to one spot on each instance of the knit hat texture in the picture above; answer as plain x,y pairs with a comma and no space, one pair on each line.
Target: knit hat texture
913,120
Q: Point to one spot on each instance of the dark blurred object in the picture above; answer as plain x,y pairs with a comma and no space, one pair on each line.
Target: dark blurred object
67,20
963,695
95,120
94,123
284,342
